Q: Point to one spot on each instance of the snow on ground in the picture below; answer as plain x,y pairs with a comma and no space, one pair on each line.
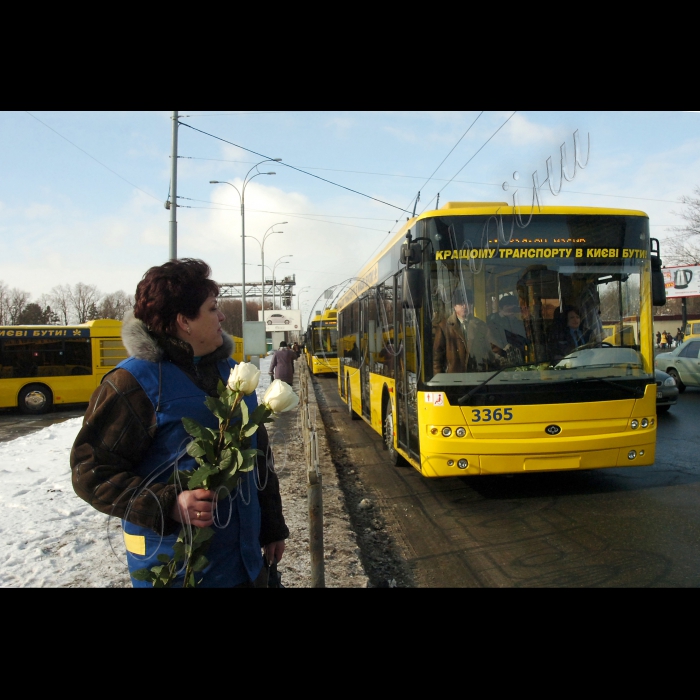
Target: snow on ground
50,537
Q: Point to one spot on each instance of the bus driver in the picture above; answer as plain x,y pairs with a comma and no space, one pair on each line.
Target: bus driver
461,340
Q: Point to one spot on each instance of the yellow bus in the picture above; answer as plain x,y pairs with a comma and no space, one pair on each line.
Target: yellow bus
321,347
45,365
473,342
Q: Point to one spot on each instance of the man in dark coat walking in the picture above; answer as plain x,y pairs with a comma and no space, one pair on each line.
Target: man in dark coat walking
282,365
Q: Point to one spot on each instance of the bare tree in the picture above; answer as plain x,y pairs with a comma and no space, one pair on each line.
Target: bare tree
81,299
115,305
684,247
231,308
4,297
60,299
17,301
51,316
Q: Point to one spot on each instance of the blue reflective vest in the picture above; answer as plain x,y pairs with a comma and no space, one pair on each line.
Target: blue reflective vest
234,554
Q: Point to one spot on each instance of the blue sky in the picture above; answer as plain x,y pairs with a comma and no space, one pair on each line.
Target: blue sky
65,218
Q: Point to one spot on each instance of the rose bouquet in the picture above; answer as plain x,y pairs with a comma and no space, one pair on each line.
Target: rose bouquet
222,456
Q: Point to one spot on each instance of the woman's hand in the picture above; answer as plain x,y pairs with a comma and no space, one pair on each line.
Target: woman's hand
195,507
274,551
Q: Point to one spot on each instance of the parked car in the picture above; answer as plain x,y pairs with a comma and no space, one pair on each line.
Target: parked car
682,363
666,391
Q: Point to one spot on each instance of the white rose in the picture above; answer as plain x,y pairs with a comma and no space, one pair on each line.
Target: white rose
280,397
244,377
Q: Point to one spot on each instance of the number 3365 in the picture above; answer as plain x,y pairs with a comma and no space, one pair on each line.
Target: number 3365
484,415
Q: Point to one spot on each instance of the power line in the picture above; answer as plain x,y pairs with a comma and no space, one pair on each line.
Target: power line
286,165
437,179
93,157
452,149
474,156
229,114
335,216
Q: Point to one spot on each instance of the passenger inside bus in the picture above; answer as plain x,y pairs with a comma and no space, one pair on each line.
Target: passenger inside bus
461,340
507,332
567,334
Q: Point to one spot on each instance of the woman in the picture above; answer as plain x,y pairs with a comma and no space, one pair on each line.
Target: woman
565,339
282,365
133,438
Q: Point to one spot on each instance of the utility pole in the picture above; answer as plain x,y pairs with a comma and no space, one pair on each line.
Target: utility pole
173,192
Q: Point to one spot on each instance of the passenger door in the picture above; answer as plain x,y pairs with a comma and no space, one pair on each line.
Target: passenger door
407,377
688,364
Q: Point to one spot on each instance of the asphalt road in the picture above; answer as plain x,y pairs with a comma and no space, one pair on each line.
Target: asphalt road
636,527
14,424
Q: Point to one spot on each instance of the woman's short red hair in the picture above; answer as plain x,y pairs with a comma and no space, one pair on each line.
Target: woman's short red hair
177,287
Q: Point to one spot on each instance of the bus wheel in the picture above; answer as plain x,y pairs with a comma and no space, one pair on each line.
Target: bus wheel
394,457
352,413
35,398
679,383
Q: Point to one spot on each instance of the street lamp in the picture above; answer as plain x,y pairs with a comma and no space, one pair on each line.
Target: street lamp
266,235
306,289
274,279
241,196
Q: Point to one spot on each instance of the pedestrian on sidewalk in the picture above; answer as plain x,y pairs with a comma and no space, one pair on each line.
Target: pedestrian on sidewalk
282,365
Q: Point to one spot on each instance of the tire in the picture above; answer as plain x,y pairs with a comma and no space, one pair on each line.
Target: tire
679,383
394,457
662,409
351,413
35,399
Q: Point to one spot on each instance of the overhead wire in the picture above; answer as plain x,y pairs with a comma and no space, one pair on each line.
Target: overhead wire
472,158
422,177
114,172
286,165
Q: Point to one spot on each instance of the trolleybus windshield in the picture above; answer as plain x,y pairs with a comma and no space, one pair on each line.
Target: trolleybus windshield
530,303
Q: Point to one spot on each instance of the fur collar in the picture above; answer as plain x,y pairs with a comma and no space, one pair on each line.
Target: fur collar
141,343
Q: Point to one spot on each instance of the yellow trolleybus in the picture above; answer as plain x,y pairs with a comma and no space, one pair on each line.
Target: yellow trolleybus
474,344
321,346
45,365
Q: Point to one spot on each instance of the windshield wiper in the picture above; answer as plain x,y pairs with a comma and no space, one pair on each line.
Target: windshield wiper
637,391
465,399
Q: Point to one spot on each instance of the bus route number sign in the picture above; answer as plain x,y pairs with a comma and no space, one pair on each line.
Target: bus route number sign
485,415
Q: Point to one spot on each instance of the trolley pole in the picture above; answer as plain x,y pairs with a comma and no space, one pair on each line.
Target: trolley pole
173,191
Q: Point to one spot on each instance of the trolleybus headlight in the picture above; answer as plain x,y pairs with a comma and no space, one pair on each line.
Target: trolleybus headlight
645,422
450,462
446,432
634,425
463,464
460,432
434,431
631,454
641,453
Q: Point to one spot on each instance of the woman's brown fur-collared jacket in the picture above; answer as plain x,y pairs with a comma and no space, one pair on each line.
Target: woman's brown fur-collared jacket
118,429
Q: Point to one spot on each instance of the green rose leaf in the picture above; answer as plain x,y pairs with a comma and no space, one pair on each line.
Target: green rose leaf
226,459
194,428
142,575
163,558
244,412
259,414
202,534
200,563
249,430
195,449
199,477
217,407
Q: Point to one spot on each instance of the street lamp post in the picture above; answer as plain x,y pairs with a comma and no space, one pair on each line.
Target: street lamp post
306,289
274,279
241,196
266,235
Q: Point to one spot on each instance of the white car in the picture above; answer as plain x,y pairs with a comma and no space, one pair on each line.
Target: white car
278,320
